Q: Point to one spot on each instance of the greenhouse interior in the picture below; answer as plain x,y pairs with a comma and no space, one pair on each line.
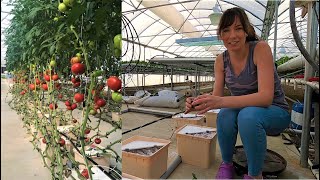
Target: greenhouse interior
159,89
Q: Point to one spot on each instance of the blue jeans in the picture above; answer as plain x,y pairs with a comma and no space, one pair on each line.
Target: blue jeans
253,123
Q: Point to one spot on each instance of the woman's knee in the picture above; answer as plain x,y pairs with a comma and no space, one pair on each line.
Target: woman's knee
227,116
249,117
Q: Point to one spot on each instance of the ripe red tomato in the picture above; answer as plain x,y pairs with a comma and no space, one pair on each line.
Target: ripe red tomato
85,173
79,97
114,83
51,106
45,87
87,140
73,80
74,106
62,142
97,140
101,102
38,81
46,77
55,77
44,141
67,103
32,87
78,68
69,108
87,131
76,84
22,93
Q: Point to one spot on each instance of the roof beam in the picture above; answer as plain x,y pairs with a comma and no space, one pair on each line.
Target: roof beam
268,19
138,43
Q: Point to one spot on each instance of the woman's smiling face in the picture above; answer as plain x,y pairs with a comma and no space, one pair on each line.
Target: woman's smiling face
234,36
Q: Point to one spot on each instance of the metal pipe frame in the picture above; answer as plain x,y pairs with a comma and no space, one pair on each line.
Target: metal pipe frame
309,72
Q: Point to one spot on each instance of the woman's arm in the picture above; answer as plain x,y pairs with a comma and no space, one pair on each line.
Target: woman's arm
264,96
218,76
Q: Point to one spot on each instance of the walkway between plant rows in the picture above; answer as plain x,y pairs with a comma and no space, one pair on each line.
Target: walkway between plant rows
19,161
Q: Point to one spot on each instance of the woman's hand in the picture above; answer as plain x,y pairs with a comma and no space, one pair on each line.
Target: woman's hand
189,106
204,103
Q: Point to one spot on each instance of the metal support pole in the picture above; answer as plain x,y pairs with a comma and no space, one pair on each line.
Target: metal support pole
316,131
143,79
124,83
312,28
143,75
171,78
195,83
137,78
275,32
199,80
163,75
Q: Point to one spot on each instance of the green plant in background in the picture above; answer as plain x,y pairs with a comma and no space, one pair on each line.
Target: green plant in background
284,59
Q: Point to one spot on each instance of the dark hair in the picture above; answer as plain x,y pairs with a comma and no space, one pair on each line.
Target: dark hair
229,17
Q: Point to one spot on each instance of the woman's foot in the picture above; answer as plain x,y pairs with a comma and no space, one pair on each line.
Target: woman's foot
226,171
247,177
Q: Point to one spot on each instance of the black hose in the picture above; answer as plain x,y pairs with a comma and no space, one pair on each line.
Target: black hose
147,124
297,38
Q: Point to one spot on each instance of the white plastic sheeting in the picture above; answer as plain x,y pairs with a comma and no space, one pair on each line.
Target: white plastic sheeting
165,98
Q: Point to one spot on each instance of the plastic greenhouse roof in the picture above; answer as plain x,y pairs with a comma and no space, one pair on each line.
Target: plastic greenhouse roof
149,34
153,36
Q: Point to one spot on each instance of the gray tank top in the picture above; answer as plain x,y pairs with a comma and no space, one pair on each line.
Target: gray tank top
247,82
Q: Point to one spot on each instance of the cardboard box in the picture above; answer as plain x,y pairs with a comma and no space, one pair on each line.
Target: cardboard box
183,119
196,150
128,176
151,166
211,118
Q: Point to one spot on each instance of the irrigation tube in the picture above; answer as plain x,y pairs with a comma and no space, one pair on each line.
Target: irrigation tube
297,38
172,167
169,116
314,85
